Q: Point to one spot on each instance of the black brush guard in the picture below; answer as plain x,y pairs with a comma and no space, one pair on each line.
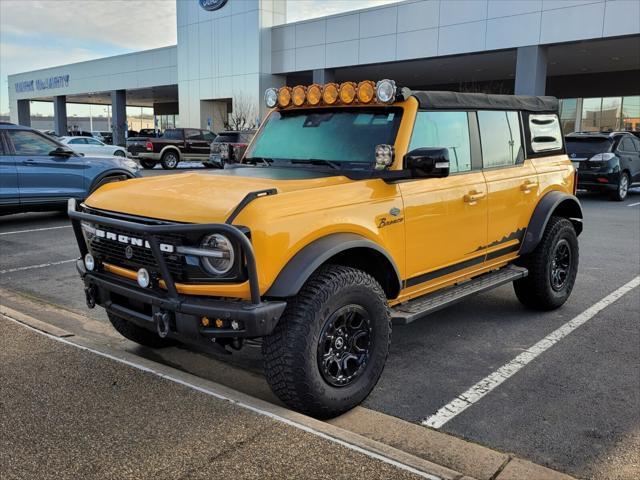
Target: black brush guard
257,317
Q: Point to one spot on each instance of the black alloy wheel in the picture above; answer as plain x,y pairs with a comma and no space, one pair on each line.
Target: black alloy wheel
344,344
560,265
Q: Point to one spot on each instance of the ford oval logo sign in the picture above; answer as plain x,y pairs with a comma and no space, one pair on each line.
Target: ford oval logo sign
211,5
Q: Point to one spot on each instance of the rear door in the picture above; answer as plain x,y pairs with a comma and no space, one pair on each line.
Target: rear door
512,182
629,157
44,178
9,194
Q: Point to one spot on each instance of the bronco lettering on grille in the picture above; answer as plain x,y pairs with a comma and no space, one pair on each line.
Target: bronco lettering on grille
127,240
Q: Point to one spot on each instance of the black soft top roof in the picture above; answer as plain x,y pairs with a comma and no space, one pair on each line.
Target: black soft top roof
484,101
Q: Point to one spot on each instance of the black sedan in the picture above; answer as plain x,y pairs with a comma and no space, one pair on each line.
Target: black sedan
606,161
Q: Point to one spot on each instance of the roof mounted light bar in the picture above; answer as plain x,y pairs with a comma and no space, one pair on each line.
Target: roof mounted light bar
346,93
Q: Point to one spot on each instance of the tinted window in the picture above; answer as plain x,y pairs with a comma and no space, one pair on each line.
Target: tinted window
29,143
227,138
172,135
77,141
587,146
636,144
2,152
626,145
193,135
500,138
208,136
545,131
334,134
448,130
92,141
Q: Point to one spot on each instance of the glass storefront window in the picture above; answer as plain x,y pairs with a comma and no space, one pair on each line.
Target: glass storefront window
568,114
631,113
591,114
610,114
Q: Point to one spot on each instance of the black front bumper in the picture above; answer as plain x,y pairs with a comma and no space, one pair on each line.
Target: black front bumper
184,313
127,300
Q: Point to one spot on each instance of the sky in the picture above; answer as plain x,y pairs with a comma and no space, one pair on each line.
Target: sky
37,34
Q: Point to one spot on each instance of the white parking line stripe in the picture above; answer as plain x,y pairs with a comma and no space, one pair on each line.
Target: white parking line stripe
34,230
213,393
31,267
633,204
487,384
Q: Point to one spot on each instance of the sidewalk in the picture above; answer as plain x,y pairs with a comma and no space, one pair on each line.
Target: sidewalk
68,413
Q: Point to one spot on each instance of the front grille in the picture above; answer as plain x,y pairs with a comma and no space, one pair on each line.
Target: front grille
114,252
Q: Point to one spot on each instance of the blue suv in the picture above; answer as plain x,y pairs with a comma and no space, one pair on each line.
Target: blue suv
39,173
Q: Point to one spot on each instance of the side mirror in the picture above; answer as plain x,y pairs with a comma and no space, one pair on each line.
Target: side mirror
61,152
427,162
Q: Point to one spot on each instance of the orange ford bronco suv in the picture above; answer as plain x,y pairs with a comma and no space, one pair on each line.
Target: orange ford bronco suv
355,206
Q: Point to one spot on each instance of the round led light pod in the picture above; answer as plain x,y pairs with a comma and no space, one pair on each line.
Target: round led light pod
144,279
271,97
330,93
284,97
347,92
298,96
89,262
314,94
366,91
384,156
386,91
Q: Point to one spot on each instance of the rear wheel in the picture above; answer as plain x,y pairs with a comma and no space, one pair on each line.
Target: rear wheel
330,346
620,193
138,334
553,267
170,160
149,164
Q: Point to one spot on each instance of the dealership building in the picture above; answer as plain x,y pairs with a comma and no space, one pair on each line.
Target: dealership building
586,52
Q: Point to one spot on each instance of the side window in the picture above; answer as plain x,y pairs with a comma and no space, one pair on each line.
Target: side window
92,141
28,143
626,145
208,136
636,144
77,141
500,138
444,130
2,152
193,135
545,131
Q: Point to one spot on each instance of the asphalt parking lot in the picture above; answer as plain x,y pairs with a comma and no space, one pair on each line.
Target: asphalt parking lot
574,408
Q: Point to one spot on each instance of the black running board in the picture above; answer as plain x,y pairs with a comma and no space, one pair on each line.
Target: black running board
419,307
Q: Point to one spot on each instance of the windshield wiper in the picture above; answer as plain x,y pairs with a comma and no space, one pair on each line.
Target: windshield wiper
255,160
319,161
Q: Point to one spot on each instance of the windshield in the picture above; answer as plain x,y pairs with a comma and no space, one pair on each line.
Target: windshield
587,146
335,135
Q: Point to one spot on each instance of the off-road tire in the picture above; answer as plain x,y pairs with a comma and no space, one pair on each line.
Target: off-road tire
138,334
148,164
622,189
536,291
167,162
291,351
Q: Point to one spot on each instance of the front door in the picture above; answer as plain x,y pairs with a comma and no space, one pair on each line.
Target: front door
512,183
445,218
42,177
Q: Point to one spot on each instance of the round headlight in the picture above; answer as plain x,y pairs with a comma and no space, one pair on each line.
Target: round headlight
222,262
89,262
386,91
144,279
271,97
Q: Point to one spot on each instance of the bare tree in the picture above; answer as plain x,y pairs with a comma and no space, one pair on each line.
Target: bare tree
243,114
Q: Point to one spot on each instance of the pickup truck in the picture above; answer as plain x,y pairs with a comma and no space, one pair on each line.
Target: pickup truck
172,147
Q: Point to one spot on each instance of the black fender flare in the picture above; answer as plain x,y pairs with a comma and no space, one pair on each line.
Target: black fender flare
564,204
115,173
302,265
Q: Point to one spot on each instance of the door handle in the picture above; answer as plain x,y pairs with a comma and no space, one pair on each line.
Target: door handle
528,185
29,161
473,196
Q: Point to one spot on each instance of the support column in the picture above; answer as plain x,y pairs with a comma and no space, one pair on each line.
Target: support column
119,125
531,70
323,75
24,113
60,115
